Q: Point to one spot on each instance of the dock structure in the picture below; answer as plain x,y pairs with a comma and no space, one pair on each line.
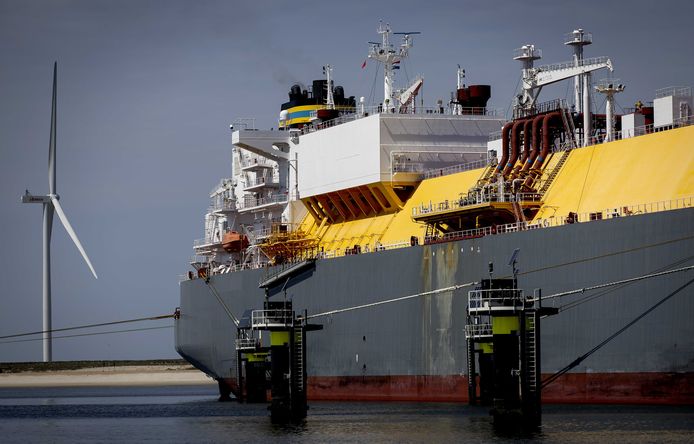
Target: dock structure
503,346
284,359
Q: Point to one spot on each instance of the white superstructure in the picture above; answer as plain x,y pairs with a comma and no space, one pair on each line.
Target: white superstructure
378,153
671,105
378,147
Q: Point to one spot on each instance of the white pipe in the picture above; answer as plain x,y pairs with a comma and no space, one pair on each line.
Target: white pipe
587,129
578,81
578,85
514,188
501,188
387,87
329,98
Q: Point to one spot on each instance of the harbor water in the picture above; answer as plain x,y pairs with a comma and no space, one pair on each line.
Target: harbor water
193,414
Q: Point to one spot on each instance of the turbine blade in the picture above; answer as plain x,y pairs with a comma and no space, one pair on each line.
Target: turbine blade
71,232
51,143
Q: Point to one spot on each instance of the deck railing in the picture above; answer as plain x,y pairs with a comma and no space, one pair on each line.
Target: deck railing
438,172
222,205
271,318
677,91
247,343
392,245
486,301
464,112
571,64
246,266
249,161
590,216
548,222
648,129
478,331
462,201
262,180
252,202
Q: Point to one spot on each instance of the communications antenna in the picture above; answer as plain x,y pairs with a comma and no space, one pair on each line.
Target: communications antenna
385,53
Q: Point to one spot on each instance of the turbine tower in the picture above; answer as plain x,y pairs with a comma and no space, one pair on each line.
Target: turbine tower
50,203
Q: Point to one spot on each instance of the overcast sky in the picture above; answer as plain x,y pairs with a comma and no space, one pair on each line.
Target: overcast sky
147,90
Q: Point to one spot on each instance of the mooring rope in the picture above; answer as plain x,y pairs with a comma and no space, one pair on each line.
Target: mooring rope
581,358
151,318
89,334
610,284
388,301
459,286
233,318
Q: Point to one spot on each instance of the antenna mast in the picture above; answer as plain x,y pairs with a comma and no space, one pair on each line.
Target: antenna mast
458,109
577,40
330,99
385,53
461,77
609,87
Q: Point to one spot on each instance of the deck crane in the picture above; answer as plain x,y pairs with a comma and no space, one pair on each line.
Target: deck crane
534,78
408,96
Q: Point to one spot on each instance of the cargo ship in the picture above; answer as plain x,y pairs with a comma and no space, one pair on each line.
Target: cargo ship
376,221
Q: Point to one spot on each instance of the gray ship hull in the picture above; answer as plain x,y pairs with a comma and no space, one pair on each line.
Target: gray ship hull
415,349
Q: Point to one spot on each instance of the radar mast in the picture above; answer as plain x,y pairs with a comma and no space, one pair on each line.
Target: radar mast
385,53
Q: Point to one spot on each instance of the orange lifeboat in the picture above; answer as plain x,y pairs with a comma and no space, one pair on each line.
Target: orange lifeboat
233,241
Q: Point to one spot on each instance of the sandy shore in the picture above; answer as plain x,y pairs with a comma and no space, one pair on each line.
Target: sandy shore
124,375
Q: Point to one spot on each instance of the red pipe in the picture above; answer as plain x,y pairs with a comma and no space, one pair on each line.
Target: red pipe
546,145
537,121
527,130
546,134
504,145
515,142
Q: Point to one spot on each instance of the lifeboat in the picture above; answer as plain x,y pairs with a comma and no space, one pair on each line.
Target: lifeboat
234,241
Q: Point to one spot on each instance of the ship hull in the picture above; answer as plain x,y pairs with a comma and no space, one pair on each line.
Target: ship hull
415,349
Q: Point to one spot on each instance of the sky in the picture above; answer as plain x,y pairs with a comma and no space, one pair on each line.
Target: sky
147,90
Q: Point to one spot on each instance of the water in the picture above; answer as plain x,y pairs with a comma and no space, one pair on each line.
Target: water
192,414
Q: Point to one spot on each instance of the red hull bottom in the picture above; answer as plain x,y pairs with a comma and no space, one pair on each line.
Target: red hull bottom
572,388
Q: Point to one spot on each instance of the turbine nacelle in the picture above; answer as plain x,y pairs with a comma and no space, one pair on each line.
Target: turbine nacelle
30,198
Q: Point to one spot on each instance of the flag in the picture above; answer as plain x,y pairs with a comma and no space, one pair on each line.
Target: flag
363,65
396,67
396,62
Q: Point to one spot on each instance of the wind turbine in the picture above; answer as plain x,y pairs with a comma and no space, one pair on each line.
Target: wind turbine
50,203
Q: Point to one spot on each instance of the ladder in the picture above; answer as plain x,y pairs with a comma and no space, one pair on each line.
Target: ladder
297,364
554,172
518,212
487,175
569,128
531,344
471,372
431,231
